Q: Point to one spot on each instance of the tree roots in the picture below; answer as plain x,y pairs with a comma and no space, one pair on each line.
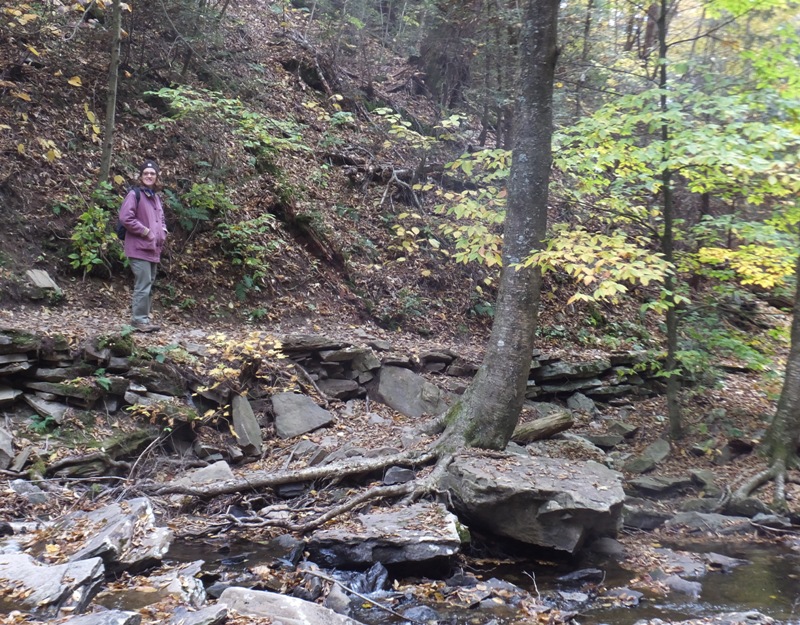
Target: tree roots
297,519
777,472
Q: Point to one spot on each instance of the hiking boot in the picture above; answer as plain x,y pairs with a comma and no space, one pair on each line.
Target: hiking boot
145,327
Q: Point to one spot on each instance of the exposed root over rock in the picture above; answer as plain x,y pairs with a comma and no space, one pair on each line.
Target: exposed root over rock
777,472
256,481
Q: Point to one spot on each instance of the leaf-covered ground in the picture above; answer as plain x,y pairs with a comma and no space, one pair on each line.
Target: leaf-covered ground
332,263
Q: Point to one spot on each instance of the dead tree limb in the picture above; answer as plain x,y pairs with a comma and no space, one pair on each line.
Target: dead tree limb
310,381
260,480
544,427
404,186
97,456
360,596
413,491
371,494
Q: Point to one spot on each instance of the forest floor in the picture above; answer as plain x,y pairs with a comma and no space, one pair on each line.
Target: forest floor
417,301
738,407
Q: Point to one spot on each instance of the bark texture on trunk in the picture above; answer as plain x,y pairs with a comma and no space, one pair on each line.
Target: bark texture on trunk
488,412
668,241
783,435
111,98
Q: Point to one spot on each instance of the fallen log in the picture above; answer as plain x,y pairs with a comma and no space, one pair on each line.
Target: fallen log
542,428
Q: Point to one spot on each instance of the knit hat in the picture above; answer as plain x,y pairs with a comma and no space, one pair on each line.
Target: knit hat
148,164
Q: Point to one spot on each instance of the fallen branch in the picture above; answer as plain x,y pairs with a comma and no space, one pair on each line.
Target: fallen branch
71,461
310,381
402,185
260,480
363,597
381,492
542,428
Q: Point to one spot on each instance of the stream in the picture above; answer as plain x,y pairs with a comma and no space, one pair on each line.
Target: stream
769,582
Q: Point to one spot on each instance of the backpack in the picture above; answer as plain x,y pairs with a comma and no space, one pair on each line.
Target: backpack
120,229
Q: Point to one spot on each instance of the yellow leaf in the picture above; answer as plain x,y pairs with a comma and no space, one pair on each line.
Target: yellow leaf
28,17
33,50
5,127
119,179
75,81
52,549
21,148
21,95
425,273
51,155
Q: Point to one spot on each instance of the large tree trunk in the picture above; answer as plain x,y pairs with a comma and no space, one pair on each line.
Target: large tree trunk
784,431
783,435
487,413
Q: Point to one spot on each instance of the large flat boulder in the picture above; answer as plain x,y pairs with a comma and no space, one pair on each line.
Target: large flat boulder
547,502
124,535
297,414
106,617
281,608
409,393
417,533
44,590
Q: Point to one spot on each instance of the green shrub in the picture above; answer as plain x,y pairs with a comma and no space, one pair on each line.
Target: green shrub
94,243
200,203
250,244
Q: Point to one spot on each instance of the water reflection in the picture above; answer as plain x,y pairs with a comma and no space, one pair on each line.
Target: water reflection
768,583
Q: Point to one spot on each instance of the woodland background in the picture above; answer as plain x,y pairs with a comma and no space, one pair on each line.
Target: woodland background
346,162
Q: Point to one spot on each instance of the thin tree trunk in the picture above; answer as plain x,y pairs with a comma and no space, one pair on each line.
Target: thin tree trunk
487,413
587,29
667,243
111,98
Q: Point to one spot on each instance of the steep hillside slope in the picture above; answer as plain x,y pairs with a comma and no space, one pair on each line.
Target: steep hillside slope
281,188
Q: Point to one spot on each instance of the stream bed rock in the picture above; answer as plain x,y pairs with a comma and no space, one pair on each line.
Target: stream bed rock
44,590
417,533
284,609
547,502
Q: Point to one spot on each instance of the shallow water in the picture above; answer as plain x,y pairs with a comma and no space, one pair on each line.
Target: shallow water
768,583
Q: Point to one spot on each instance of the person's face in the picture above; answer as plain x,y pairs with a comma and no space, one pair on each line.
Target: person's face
149,177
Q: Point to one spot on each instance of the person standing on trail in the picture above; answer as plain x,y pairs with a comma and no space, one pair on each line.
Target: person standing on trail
142,216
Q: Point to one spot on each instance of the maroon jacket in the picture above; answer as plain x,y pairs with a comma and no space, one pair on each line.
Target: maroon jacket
149,214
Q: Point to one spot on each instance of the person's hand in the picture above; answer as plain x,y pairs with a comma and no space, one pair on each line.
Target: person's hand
148,234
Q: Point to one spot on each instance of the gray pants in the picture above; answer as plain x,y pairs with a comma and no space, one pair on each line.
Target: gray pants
144,275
